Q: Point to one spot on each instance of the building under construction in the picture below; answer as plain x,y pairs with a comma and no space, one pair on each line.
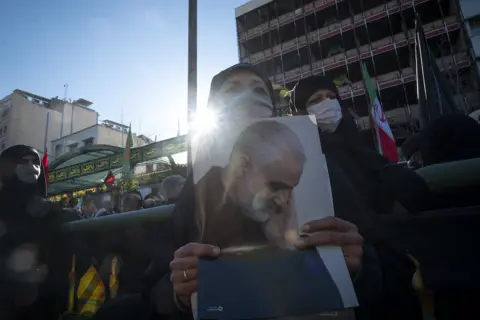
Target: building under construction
291,39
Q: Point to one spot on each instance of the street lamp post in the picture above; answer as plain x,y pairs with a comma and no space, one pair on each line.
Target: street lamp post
192,73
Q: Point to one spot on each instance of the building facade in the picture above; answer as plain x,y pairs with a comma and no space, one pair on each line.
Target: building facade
470,10
291,39
106,133
23,119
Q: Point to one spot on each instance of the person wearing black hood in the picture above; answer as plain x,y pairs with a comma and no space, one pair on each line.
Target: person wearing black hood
240,92
340,139
33,268
372,186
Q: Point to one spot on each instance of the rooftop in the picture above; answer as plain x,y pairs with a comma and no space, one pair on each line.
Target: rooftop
250,6
48,103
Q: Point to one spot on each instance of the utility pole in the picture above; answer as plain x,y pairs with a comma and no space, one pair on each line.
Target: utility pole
192,73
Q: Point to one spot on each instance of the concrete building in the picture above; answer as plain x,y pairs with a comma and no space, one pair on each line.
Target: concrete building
107,133
291,39
470,10
23,119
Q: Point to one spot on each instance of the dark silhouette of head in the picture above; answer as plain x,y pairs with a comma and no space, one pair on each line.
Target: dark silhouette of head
22,170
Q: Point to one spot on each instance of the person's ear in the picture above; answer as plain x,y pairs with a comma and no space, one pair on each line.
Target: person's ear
242,166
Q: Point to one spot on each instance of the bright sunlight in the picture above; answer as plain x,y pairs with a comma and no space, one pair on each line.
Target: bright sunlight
204,121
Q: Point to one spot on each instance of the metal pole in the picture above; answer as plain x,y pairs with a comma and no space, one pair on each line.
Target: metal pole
71,118
46,132
192,72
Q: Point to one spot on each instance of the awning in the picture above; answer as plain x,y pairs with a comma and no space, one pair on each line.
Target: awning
90,165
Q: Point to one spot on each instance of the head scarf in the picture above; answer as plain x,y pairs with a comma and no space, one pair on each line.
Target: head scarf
220,78
306,87
9,159
450,138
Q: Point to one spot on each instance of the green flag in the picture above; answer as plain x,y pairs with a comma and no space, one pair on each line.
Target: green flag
127,154
372,92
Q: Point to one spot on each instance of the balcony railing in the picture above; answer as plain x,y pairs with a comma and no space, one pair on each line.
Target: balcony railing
378,47
374,14
431,29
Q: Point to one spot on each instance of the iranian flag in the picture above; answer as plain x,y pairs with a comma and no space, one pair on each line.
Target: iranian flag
45,166
386,141
126,167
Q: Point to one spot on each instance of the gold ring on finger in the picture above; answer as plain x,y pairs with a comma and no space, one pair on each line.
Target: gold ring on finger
185,275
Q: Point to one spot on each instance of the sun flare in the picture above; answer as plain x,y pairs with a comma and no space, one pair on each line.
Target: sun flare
204,121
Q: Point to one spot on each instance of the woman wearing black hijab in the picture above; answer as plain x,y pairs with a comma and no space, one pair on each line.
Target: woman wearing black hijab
364,185
341,141
31,227
241,91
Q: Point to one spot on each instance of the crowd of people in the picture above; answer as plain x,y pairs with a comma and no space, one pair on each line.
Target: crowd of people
160,262
112,202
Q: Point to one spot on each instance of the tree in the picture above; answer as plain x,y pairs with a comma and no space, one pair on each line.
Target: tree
282,99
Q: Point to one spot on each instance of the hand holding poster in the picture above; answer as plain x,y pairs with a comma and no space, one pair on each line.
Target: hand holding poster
272,180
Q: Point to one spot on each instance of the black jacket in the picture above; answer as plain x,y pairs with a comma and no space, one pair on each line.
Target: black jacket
33,223
348,202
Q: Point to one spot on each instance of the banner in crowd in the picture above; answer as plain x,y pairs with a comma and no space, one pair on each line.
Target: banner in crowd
152,151
134,183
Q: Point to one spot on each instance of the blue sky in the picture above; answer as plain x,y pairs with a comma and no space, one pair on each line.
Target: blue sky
120,54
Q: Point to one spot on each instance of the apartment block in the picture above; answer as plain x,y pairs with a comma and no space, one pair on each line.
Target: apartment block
292,39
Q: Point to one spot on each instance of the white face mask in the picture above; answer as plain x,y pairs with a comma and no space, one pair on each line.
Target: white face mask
328,114
247,105
27,173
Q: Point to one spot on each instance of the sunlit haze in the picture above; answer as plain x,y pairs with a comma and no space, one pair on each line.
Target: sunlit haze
204,121
127,57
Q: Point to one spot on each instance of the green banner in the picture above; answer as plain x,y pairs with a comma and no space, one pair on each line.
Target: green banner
136,182
149,152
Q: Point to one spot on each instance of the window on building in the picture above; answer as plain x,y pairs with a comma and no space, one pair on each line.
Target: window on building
475,25
88,142
73,147
5,129
149,167
58,150
4,113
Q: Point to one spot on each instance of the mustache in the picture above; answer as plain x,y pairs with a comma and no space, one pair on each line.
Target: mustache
271,206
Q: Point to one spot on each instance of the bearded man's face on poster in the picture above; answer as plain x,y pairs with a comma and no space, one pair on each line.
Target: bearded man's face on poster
264,188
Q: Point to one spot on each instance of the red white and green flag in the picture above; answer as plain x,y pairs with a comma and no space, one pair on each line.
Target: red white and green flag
386,141
126,165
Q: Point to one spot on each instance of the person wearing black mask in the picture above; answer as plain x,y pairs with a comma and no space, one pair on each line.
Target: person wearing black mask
33,264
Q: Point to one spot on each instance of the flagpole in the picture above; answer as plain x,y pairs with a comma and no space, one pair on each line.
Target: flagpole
121,121
192,73
46,132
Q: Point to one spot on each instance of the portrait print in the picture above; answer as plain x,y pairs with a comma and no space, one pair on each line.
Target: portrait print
251,201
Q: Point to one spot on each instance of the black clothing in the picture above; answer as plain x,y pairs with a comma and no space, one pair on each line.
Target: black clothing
219,79
211,199
449,138
31,223
306,87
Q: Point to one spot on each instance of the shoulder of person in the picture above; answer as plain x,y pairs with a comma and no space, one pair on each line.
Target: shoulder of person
54,211
69,215
42,208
